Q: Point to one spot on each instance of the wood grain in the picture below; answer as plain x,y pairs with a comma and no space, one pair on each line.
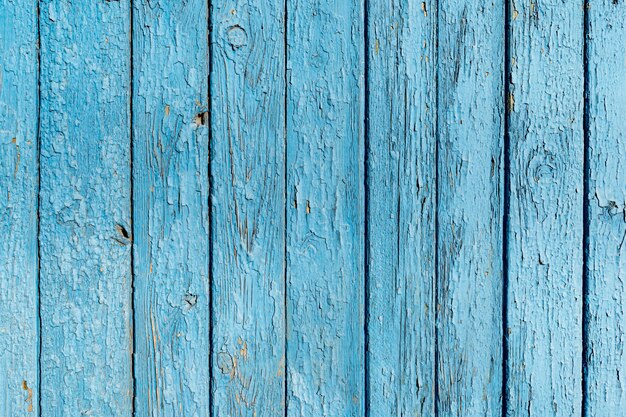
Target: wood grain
19,111
86,321
545,233
248,211
605,393
470,207
325,212
401,194
171,206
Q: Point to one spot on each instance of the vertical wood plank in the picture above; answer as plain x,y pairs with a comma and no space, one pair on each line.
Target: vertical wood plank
546,214
248,212
606,263
86,326
325,212
19,333
401,207
171,206
470,207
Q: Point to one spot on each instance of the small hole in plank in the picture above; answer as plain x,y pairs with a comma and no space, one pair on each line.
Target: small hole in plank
122,231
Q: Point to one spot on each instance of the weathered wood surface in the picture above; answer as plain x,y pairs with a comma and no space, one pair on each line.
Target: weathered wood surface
312,207
171,208
401,194
19,328
470,207
85,275
325,208
248,207
545,228
606,207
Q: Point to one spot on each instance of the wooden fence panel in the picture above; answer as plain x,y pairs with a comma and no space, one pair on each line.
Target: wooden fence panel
248,211
85,210
401,194
325,212
605,393
545,228
171,207
19,173
470,207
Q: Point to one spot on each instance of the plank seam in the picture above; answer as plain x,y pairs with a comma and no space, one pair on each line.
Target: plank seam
436,231
38,202
586,177
506,206
132,218
285,194
366,202
209,40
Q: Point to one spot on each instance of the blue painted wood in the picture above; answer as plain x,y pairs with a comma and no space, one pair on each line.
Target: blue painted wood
545,232
470,207
606,199
281,260
325,212
19,110
86,322
401,173
248,211
170,207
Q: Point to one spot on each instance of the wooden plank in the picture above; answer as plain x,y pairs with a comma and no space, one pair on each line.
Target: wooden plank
545,229
86,322
401,171
248,211
325,212
606,204
19,327
171,206
470,207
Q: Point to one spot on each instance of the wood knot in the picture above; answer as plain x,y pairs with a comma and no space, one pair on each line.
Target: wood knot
237,37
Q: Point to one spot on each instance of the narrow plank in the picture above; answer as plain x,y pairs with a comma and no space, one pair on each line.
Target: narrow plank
401,172
248,211
606,263
545,232
86,322
171,207
470,207
19,334
325,212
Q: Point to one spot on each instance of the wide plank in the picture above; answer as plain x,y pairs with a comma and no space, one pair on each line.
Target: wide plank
19,113
85,214
545,217
401,198
325,211
470,207
248,207
171,207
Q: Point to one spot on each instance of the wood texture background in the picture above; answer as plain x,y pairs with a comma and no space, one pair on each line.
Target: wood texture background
312,208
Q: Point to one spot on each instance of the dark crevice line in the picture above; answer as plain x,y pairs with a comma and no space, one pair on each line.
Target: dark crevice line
38,204
586,178
436,217
506,204
286,203
366,204
132,218
211,324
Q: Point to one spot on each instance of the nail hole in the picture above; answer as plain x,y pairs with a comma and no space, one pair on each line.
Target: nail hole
202,118
122,231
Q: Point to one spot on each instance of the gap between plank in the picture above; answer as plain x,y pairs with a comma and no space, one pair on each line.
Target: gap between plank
586,177
366,202
506,205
